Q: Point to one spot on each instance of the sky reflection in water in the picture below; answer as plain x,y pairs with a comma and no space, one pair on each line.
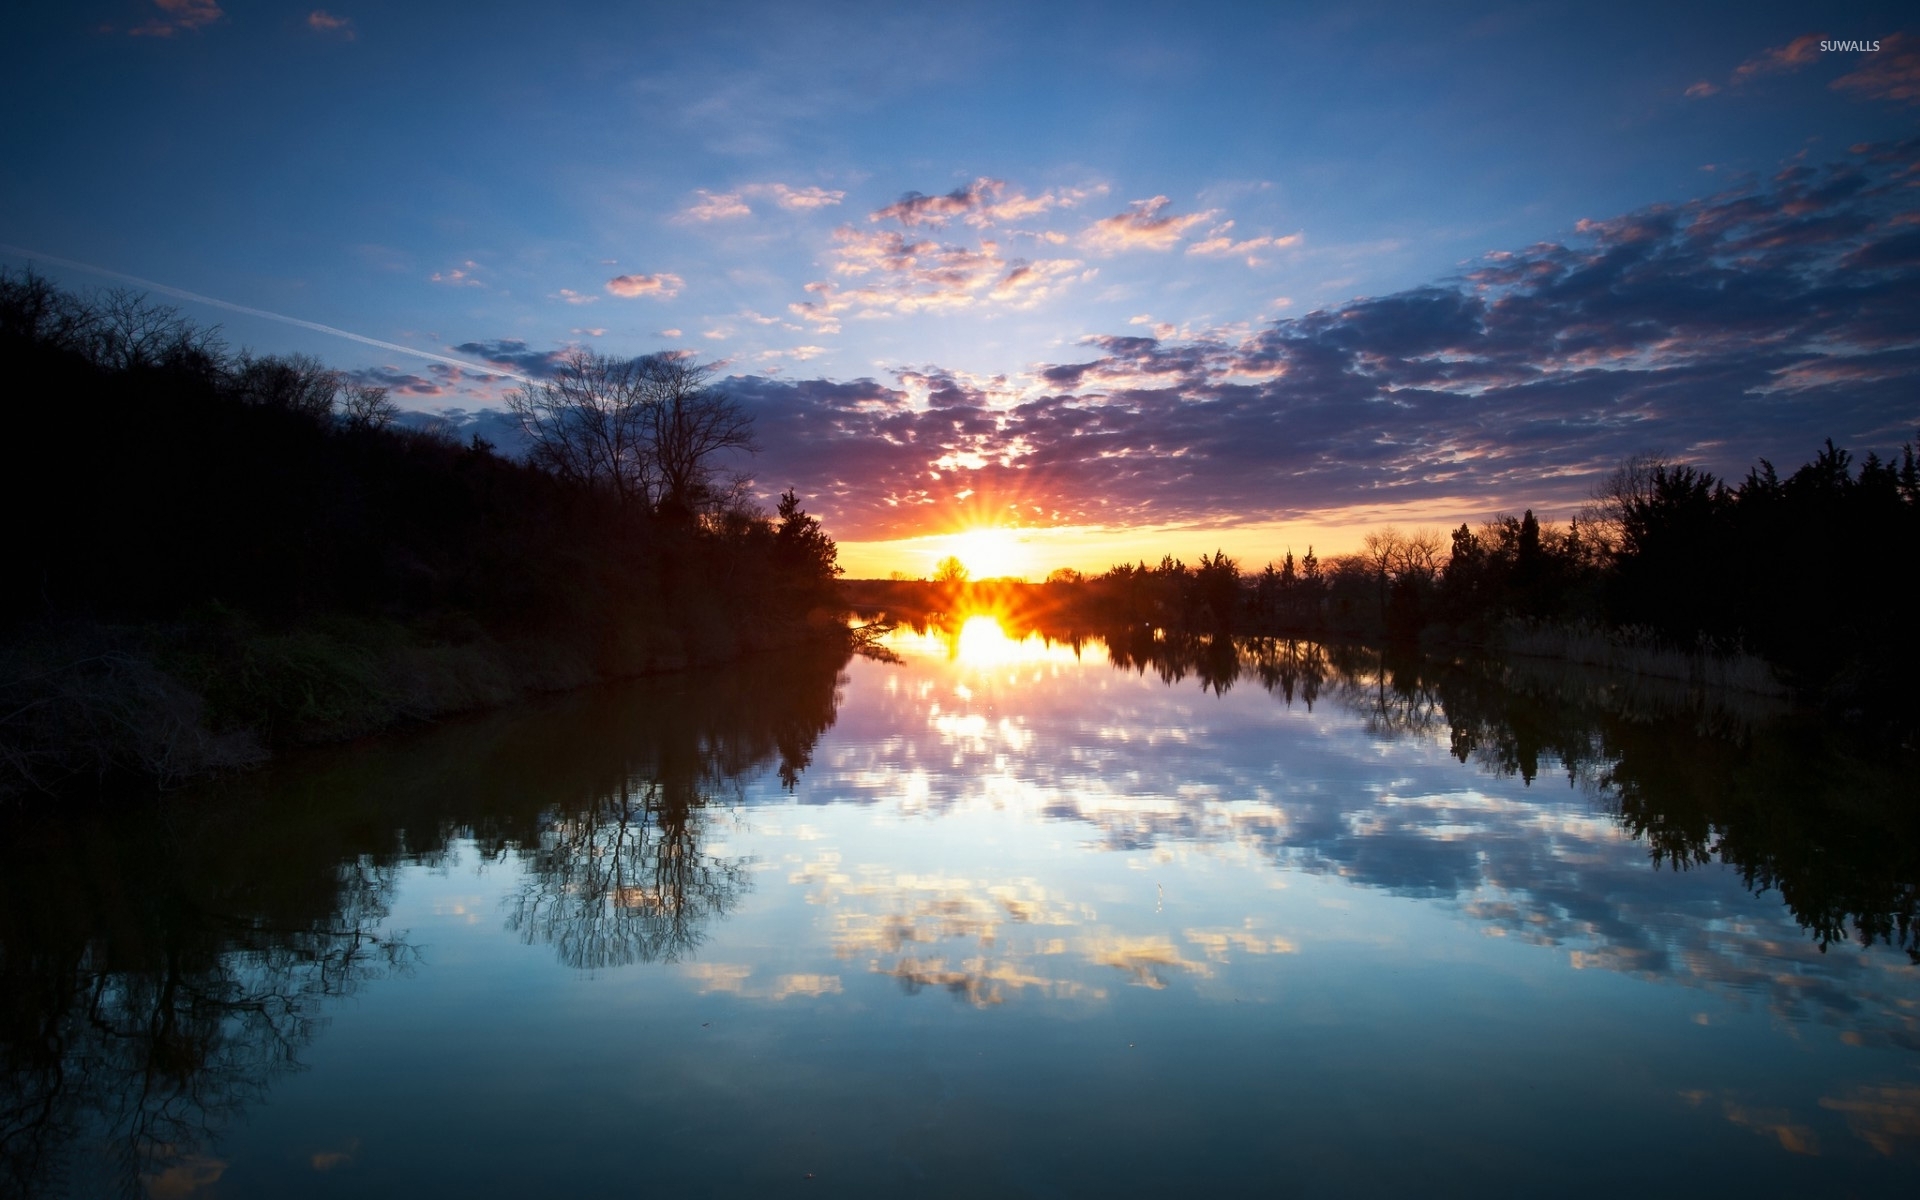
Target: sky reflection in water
1028,922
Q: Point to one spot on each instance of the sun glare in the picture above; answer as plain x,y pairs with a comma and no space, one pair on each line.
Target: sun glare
983,643
980,643
989,553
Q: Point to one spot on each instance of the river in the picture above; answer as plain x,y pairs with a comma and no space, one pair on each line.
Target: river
1000,916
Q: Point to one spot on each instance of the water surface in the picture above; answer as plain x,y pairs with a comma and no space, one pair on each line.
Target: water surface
1003,917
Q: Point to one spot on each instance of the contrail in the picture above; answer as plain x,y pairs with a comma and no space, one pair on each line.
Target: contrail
316,326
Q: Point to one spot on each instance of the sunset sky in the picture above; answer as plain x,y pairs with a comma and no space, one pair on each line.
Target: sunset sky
1125,279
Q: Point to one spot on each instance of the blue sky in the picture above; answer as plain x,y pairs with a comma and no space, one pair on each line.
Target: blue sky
877,216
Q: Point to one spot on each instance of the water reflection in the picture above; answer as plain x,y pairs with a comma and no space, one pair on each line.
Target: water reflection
152,986
1694,776
160,970
624,878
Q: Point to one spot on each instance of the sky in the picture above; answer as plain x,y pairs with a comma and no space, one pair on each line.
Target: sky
1115,279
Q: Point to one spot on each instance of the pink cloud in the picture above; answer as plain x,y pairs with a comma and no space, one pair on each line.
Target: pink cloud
1026,284
1144,226
322,21
573,297
1701,89
1220,243
664,286
1797,53
1889,73
802,199
903,274
179,16
981,203
460,276
719,206
915,209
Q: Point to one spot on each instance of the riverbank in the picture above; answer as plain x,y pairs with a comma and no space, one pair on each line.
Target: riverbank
88,708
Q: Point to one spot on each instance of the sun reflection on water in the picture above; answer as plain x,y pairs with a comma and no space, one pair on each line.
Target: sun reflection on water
981,642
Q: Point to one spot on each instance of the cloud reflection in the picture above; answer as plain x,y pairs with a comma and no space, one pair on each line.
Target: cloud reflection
1403,788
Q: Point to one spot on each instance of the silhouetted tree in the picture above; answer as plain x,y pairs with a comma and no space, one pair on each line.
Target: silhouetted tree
688,425
364,407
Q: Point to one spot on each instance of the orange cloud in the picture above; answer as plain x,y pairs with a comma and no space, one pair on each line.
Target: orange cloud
664,285
179,16
1146,225
322,21
1886,1117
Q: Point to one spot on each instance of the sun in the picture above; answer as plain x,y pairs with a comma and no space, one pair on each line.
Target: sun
988,552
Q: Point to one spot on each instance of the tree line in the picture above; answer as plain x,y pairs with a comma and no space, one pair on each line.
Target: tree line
1806,570
267,533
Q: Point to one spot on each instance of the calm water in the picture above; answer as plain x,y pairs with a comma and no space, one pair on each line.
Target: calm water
1003,917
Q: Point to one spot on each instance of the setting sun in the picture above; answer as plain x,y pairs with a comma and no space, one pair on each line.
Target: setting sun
989,552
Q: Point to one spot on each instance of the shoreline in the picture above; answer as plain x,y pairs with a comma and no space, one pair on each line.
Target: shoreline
96,710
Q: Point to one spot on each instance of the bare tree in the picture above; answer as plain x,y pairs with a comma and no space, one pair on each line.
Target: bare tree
297,383
1628,486
1382,550
131,331
1420,556
588,425
363,406
650,429
33,310
689,425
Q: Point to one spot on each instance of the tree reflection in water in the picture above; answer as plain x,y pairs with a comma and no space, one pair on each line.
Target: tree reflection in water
161,967
1795,805
150,993
624,879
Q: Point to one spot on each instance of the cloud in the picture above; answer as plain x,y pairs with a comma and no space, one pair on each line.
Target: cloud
1146,225
665,286
717,207
981,203
1801,51
1891,73
460,276
797,353
178,16
516,355
1753,322
322,21
1798,53
573,297
900,273
915,209
721,206
1219,242
803,199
